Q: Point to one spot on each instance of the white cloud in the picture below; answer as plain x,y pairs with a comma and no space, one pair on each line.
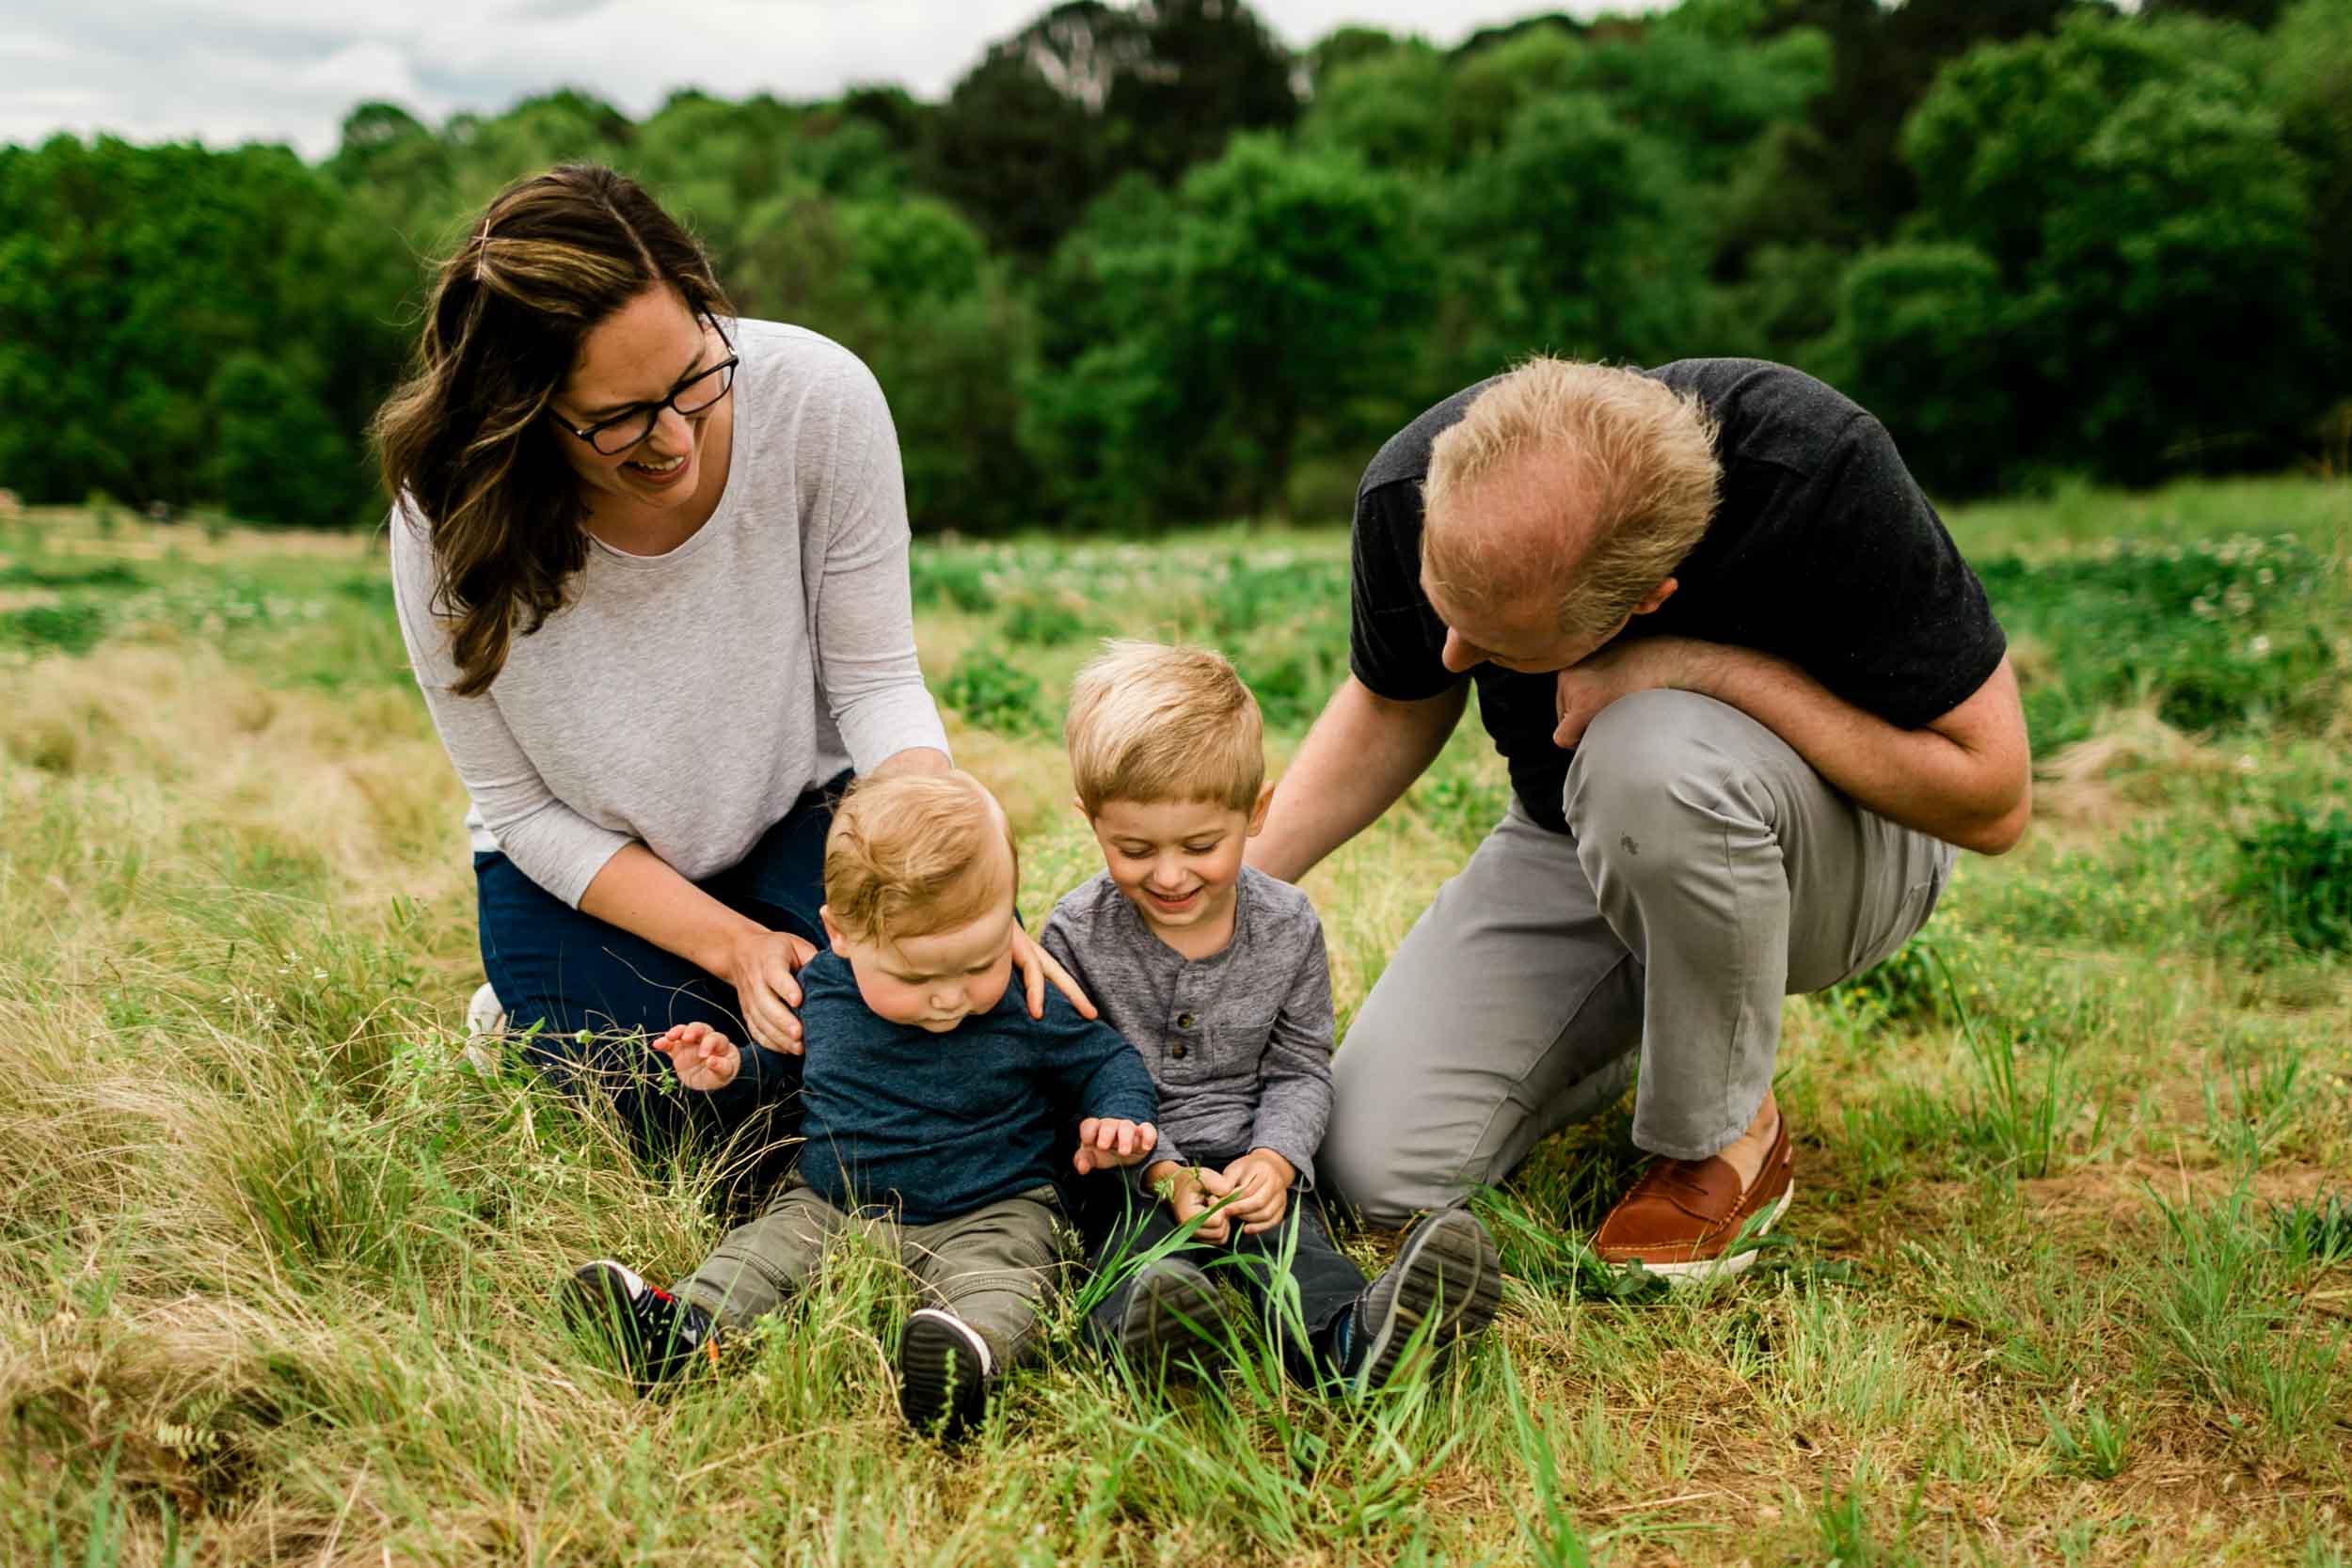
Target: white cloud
226,71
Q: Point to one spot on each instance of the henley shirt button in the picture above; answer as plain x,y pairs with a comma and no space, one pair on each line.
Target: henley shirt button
1183,1021
1177,1051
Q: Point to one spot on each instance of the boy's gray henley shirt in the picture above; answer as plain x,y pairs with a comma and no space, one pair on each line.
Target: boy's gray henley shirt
1238,1043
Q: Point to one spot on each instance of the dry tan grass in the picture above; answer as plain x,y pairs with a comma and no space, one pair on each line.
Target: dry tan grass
273,1266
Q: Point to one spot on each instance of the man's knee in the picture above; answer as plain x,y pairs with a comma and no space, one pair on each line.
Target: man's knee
1370,1183
1659,773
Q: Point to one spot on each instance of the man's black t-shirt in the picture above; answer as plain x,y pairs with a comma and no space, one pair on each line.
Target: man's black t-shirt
1823,552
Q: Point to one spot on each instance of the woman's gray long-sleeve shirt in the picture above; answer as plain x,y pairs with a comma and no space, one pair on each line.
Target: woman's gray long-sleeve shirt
685,701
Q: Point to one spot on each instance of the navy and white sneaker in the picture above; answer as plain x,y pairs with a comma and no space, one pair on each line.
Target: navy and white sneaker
656,1334
1447,1274
944,1369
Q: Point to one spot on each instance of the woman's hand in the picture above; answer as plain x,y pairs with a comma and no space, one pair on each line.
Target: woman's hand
764,969
1037,966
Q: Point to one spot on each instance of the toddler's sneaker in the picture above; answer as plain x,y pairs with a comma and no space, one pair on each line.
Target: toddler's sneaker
943,1367
1448,1265
1172,1312
656,1334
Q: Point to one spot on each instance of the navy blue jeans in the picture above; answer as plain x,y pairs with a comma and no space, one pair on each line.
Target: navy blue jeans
596,992
1118,1222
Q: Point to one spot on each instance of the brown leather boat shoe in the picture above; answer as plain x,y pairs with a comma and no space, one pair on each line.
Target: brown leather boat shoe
1681,1215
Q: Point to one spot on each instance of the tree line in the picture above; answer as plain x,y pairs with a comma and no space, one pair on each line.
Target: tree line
1144,265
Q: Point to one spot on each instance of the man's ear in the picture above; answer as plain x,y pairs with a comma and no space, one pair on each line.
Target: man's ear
1257,816
1657,597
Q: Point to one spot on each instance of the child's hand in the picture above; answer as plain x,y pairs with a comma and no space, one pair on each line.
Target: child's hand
1191,1192
1261,1185
704,1058
1107,1141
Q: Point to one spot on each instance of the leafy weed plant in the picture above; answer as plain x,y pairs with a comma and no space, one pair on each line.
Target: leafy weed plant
2297,875
994,694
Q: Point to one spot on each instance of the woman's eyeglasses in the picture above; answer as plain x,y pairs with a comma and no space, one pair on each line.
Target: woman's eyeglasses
614,436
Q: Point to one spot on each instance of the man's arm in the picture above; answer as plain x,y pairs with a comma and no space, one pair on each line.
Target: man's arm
1364,751
1965,777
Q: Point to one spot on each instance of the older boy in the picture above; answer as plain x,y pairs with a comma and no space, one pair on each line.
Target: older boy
1216,973
931,1103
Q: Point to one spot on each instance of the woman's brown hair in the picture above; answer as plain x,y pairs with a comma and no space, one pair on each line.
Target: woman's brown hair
462,439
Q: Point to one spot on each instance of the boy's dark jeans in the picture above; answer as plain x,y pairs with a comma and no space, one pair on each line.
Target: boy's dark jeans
571,974
1120,1224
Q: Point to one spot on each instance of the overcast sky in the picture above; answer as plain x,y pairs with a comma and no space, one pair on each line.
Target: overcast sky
231,70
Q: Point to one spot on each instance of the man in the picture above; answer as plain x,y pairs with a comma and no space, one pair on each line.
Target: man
1751,699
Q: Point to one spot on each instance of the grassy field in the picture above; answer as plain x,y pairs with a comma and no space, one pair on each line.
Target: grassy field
2070,1280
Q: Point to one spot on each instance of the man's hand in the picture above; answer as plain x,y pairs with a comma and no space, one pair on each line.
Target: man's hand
1193,1191
1615,670
1260,1187
1107,1141
704,1058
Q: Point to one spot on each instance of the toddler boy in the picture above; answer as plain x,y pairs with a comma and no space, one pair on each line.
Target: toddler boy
1215,972
931,1107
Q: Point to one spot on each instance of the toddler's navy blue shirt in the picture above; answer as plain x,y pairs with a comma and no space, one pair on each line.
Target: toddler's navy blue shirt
935,1126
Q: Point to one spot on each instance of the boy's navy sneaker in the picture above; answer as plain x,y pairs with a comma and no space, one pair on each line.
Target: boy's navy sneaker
656,1334
1172,1312
943,1366
1448,1267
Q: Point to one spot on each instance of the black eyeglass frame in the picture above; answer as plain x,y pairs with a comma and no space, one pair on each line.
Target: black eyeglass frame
651,412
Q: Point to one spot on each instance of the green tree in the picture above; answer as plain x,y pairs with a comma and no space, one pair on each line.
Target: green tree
1391,108
2307,79
1578,235
277,455
1922,337
129,275
2151,226
1223,331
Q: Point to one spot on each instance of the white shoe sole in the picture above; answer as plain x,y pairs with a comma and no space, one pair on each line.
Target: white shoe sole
486,1021
1701,1271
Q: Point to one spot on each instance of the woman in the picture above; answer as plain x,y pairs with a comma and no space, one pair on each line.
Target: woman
651,567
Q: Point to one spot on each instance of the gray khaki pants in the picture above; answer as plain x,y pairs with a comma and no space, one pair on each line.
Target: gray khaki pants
992,1267
1707,871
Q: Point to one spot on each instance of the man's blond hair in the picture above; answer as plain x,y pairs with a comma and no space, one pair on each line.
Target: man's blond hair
1636,455
915,854
1149,723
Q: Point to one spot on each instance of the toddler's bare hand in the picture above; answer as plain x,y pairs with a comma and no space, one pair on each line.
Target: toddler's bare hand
1199,1190
1107,1141
1261,1184
704,1058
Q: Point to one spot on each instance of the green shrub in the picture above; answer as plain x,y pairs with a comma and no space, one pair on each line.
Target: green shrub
1310,595
936,576
107,574
72,627
2297,872
1044,621
1909,987
994,695
2219,634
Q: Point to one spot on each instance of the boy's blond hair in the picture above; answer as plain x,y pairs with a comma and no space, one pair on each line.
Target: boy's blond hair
915,854
1149,723
1641,454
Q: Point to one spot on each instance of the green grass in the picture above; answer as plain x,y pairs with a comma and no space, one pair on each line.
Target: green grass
2069,1280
